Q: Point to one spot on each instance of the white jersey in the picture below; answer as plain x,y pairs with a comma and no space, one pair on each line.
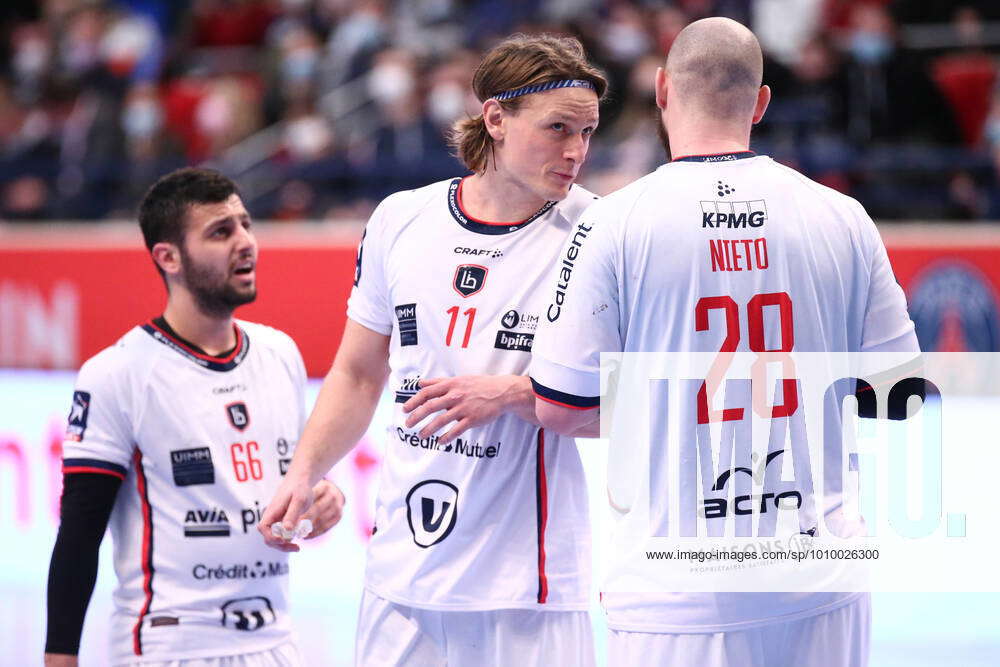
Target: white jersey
201,444
721,251
498,518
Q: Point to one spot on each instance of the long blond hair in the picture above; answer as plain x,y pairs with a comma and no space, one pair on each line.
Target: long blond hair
518,61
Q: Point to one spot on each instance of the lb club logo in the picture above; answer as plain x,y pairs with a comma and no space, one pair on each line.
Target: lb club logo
431,511
238,415
469,279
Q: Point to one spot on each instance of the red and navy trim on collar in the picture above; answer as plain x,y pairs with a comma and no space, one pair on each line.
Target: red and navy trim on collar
563,399
481,226
228,362
716,157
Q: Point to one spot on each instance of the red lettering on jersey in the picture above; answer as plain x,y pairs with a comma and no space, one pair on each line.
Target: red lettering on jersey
718,256
727,255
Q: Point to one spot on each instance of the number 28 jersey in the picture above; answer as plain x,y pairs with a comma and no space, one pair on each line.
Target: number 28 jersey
497,518
201,444
732,252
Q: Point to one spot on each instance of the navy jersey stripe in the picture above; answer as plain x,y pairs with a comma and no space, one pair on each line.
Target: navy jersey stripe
113,468
564,399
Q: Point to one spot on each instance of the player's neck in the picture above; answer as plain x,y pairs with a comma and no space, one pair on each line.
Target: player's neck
707,140
213,334
492,197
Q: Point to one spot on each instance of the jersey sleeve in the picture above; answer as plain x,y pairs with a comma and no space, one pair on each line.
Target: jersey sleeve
887,325
369,301
98,435
582,319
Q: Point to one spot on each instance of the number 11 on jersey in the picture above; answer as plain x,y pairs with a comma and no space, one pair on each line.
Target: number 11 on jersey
470,316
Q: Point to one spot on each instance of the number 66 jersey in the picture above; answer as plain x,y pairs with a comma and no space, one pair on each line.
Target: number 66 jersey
201,443
496,519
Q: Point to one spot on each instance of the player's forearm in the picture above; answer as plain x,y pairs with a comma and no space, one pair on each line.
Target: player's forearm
589,429
520,399
69,592
569,421
343,410
86,505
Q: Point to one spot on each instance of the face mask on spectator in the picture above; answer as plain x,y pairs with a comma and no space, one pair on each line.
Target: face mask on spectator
992,132
31,58
299,65
389,83
870,48
626,42
445,103
307,138
142,119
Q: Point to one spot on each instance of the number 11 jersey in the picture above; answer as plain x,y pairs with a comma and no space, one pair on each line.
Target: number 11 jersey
497,518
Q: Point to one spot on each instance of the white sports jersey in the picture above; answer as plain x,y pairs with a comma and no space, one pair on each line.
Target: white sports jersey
498,518
705,253
201,444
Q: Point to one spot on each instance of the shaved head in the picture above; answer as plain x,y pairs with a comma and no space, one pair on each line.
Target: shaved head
715,65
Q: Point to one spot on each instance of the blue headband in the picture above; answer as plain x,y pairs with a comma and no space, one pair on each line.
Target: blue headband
541,87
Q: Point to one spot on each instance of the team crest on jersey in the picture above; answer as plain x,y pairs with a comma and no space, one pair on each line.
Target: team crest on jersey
238,415
469,279
77,421
431,511
248,614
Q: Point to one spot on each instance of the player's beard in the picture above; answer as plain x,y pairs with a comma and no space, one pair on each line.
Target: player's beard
661,132
211,289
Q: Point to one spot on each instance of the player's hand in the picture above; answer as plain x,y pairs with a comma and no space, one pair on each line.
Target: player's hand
60,660
289,505
328,507
467,400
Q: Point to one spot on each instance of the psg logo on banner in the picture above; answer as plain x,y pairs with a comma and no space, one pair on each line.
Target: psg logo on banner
469,279
238,415
955,309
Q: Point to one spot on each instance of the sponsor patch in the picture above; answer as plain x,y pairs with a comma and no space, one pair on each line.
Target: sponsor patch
248,614
211,522
77,421
431,511
520,342
406,315
733,215
192,466
407,389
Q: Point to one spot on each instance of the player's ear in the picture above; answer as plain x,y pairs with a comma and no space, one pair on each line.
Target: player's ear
493,115
763,99
167,256
660,85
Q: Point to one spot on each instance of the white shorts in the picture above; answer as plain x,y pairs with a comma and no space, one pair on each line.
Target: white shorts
391,634
285,655
838,638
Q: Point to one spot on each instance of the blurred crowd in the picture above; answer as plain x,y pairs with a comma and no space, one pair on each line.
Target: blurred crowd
319,108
